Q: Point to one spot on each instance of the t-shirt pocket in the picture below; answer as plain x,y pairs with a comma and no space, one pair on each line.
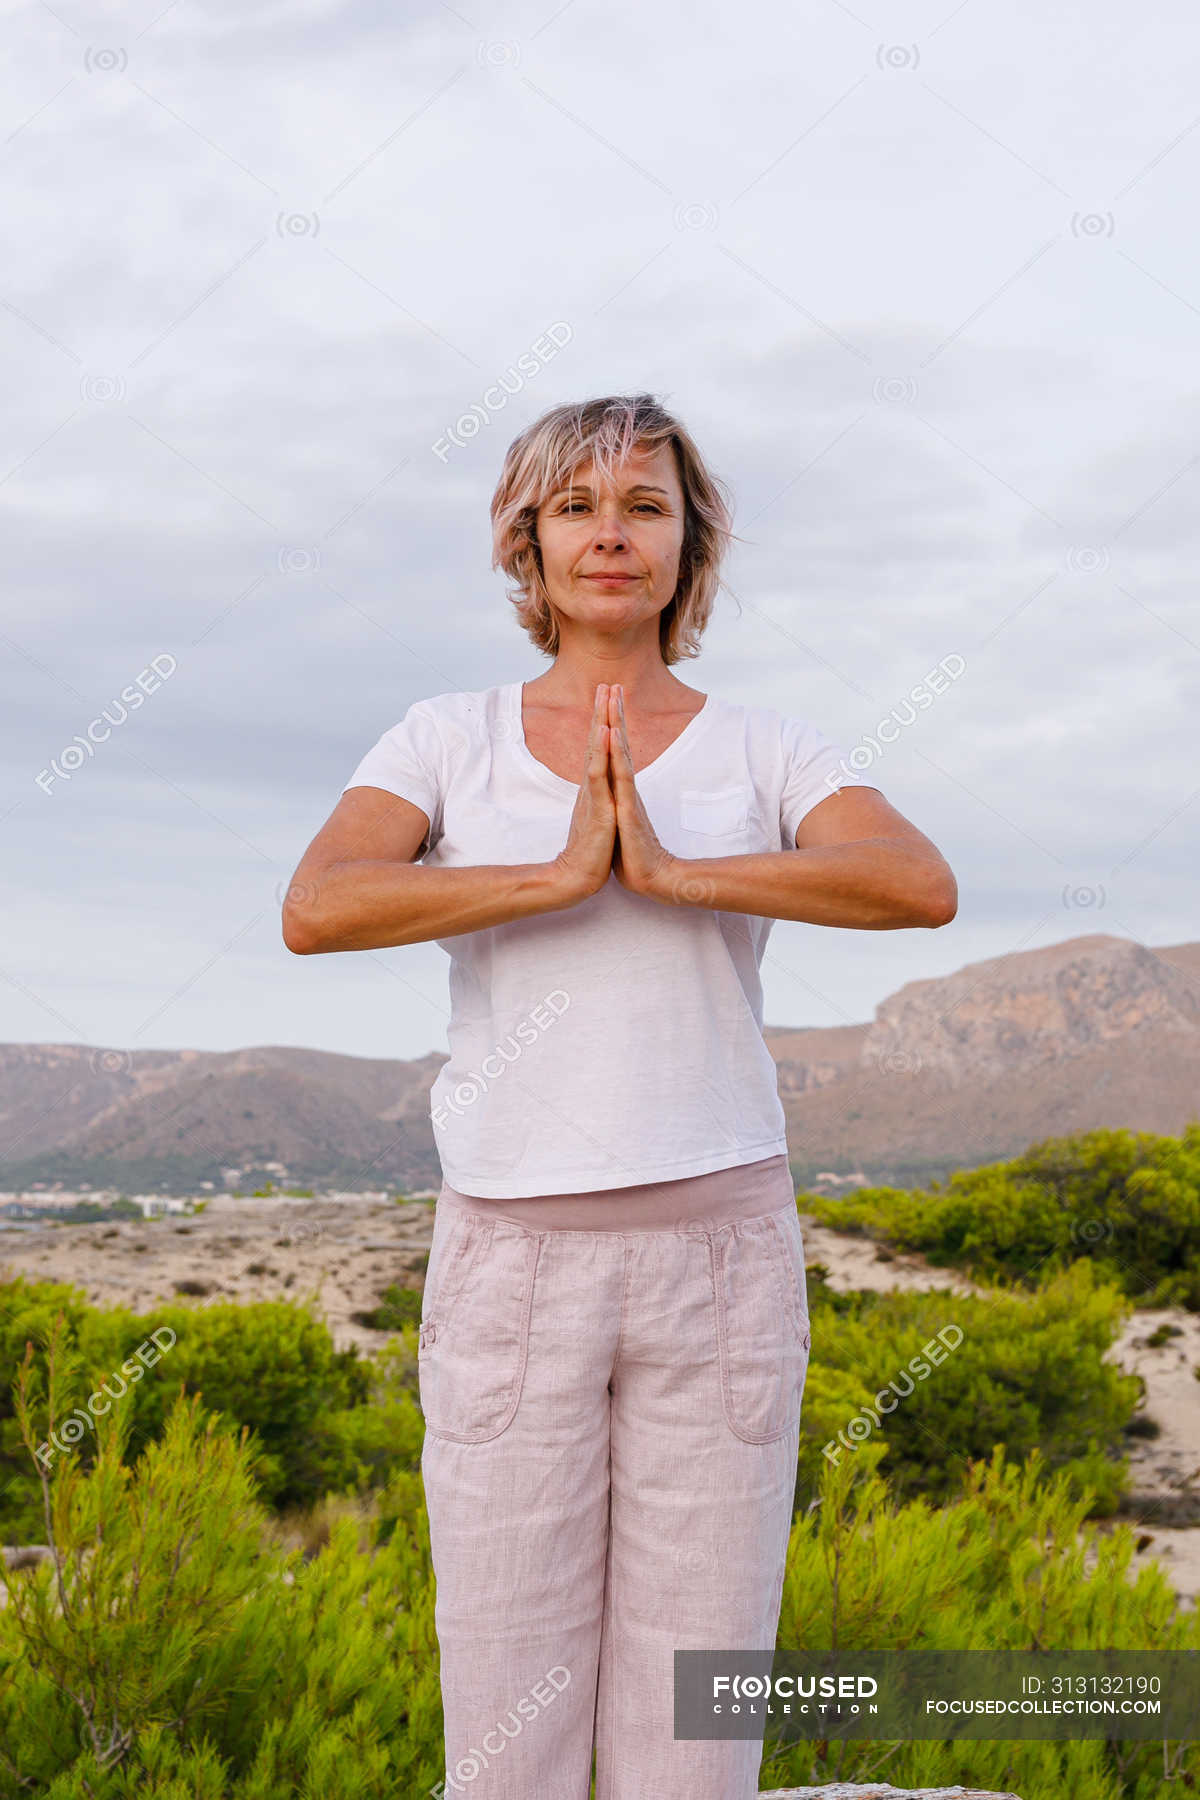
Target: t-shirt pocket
715,814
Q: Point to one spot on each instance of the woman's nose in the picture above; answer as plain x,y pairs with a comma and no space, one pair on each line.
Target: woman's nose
609,531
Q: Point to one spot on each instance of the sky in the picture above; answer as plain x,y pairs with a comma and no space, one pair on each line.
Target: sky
919,281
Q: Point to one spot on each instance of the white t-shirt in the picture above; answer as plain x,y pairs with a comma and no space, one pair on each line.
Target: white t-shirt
618,1041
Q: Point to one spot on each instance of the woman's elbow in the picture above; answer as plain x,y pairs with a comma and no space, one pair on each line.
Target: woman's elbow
297,936
939,899
299,924
921,893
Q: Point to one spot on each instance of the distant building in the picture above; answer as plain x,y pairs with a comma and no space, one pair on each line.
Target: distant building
827,1178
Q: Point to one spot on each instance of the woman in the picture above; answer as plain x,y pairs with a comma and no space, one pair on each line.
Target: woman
614,1337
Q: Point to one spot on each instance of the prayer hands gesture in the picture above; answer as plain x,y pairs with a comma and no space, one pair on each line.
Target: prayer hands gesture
610,829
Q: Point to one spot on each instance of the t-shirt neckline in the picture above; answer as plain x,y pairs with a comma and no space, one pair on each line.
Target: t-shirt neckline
558,783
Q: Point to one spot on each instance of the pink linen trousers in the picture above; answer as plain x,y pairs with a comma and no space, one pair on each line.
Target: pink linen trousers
611,1385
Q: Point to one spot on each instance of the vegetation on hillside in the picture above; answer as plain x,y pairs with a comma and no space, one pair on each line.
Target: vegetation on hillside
1128,1202
239,1600
172,1649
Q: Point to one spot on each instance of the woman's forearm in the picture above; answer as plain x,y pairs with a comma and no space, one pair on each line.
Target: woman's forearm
371,905
870,884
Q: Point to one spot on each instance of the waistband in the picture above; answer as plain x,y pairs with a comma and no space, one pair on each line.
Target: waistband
692,1203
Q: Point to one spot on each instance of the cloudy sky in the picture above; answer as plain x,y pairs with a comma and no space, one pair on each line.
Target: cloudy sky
920,280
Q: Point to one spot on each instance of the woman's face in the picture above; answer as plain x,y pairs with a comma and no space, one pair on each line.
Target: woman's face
632,529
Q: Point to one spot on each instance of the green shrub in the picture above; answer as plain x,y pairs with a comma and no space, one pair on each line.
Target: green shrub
1129,1202
174,1652
397,1306
1008,1564
383,1435
1023,1370
270,1365
1029,1372
171,1650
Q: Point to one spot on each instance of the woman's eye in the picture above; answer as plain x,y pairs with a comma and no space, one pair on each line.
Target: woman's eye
641,506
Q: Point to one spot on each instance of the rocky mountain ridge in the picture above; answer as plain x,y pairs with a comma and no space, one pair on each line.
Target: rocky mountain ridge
953,1071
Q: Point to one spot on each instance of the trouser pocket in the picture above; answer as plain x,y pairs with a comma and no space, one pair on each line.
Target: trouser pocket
475,1319
762,1325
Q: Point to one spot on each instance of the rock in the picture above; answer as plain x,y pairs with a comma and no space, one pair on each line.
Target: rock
1045,1006
842,1790
25,1556
1159,1506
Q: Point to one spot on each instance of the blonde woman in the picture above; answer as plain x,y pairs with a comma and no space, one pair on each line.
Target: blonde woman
614,1337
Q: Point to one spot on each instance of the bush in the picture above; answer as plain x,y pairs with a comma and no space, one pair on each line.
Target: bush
382,1436
1026,1371
269,1365
1128,1202
398,1306
1030,1371
1008,1565
172,1651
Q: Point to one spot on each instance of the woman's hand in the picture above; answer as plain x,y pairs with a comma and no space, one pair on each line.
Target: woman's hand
587,858
639,861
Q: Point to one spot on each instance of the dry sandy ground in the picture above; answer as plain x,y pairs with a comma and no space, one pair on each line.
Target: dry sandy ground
345,1251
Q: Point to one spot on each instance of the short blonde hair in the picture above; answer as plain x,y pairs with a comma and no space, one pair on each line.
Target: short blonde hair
549,451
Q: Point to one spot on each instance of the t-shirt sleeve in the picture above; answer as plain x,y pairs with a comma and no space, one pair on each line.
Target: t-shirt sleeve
407,760
814,766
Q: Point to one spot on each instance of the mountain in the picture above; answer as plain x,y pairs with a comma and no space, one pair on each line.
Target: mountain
973,1067
146,1120
953,1071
